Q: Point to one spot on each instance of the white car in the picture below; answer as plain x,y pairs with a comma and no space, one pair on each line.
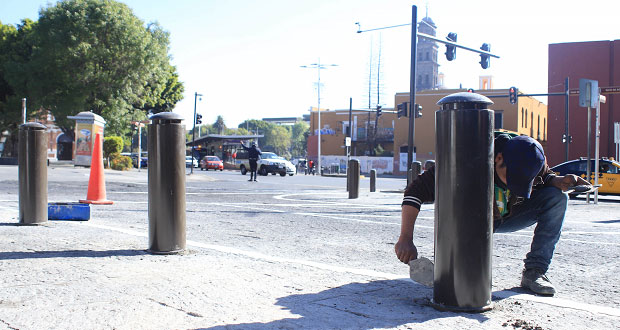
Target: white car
190,161
269,162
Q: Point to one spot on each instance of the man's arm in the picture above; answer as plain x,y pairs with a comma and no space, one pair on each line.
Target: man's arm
570,180
404,248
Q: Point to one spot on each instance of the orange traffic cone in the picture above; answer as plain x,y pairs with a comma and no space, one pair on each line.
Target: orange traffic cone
96,182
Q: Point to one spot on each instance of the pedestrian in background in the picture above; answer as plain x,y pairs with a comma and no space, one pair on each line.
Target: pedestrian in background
253,156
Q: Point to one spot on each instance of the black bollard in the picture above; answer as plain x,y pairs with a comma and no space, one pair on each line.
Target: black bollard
463,203
354,178
373,180
166,184
32,173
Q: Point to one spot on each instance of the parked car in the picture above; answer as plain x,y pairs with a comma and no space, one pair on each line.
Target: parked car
190,161
269,163
609,173
211,162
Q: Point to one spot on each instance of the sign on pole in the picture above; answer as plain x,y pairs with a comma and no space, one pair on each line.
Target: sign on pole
588,93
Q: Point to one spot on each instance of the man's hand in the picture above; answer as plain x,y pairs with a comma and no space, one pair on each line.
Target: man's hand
566,182
405,250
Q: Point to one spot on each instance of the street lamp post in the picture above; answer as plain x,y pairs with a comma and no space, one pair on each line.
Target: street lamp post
319,67
196,95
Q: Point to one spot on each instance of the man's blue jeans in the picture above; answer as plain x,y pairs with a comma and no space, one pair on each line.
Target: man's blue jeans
546,208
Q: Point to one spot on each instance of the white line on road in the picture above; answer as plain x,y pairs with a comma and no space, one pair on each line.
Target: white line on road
559,302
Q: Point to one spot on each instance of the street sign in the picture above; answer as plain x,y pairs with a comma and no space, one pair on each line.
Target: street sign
588,93
347,141
610,90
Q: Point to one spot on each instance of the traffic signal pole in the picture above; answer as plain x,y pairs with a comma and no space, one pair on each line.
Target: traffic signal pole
412,82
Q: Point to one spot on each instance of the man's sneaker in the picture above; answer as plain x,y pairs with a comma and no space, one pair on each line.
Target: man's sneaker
536,280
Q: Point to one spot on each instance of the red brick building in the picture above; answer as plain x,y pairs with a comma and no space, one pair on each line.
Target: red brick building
596,60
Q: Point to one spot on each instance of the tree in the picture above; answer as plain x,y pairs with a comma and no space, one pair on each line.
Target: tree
279,139
16,45
97,55
299,138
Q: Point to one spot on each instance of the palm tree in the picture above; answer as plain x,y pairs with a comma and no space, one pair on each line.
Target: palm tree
219,125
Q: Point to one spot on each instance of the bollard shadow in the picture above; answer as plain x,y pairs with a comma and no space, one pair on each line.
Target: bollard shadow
376,304
70,254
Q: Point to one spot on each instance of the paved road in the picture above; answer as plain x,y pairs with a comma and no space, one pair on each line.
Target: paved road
284,252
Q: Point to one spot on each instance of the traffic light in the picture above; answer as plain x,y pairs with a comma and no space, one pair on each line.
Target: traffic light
451,50
378,111
198,119
470,90
418,111
512,93
402,109
485,60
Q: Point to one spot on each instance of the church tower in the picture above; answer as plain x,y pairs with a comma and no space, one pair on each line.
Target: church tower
427,66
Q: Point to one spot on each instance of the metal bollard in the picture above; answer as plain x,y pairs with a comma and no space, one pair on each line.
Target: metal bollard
354,178
416,166
166,184
32,169
463,203
373,180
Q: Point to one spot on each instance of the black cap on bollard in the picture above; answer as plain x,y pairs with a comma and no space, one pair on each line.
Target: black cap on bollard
464,100
32,126
166,118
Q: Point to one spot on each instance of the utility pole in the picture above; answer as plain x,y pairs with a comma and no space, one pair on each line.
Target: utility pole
319,67
196,95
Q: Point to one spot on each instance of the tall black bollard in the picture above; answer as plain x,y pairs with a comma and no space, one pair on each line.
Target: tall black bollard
373,180
166,175
354,178
32,172
463,203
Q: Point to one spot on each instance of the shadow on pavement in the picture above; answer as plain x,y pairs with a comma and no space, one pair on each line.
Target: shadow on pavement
70,254
377,304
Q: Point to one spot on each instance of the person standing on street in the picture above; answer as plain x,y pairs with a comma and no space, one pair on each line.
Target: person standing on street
527,192
253,156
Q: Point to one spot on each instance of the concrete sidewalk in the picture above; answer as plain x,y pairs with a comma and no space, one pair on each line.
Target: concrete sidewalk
97,275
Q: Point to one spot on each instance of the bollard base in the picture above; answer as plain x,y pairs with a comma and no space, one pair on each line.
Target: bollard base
178,252
32,223
457,309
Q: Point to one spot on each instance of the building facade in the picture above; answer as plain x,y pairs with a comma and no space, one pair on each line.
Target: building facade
595,60
427,68
527,117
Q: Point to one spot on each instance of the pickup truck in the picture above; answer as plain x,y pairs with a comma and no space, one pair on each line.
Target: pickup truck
269,163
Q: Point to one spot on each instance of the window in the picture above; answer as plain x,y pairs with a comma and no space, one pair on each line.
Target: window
499,119
538,128
525,118
426,80
522,118
544,129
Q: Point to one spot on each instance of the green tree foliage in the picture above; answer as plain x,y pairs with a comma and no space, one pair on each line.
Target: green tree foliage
278,139
112,145
97,55
299,139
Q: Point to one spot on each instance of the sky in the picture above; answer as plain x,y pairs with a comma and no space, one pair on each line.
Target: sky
245,56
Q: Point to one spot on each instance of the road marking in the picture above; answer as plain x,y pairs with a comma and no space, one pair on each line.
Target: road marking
505,294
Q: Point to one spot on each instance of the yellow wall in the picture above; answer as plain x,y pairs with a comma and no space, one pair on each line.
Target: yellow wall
425,126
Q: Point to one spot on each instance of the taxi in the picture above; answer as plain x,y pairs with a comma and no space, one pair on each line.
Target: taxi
608,177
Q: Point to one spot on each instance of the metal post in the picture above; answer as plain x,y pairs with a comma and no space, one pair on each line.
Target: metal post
191,171
354,178
463,203
566,115
373,180
139,145
589,167
166,184
597,136
23,110
32,172
351,138
416,168
412,83
318,88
